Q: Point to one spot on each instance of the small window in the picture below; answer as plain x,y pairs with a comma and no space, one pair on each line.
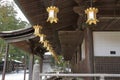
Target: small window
113,52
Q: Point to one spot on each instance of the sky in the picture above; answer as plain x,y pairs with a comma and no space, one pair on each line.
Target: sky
20,14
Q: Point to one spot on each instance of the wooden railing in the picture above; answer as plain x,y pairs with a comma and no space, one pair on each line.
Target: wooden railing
101,76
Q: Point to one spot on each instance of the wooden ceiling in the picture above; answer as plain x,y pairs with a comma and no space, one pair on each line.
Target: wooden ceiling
68,32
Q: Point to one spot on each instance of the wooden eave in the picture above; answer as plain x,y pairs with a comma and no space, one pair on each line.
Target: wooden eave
23,39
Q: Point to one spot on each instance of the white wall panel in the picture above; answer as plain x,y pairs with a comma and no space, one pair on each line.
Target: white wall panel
104,42
83,50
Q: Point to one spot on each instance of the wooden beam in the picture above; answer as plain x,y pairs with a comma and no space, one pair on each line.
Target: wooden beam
104,26
78,1
24,45
61,4
69,41
107,23
111,24
79,10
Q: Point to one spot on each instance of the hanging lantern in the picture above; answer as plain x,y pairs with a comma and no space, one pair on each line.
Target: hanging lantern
37,30
51,49
45,44
48,47
52,14
91,15
42,38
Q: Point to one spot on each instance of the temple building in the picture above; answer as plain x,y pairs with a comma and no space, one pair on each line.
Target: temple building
85,32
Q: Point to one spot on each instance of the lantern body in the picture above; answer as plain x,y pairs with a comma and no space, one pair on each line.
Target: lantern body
42,38
52,14
45,43
37,29
91,15
47,47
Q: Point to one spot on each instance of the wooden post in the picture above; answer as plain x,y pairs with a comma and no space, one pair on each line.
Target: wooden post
41,64
36,71
89,50
25,66
5,61
31,61
102,78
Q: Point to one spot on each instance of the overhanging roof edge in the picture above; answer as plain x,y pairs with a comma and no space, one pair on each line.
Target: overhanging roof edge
23,11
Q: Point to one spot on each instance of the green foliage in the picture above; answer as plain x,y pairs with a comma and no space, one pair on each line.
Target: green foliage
2,48
60,58
62,62
8,21
15,53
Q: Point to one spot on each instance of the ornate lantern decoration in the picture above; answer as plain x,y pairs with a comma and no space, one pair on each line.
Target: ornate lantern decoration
37,29
48,47
37,32
42,38
45,43
52,14
91,15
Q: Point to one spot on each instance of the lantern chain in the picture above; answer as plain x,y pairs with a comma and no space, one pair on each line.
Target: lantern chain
91,1
53,2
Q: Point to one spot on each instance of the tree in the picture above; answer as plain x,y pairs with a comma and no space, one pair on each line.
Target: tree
8,21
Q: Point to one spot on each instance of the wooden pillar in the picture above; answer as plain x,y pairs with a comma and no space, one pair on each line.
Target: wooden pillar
41,64
73,64
5,61
25,66
89,50
31,61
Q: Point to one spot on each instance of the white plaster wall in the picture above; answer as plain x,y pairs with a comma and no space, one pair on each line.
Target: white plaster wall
83,50
104,42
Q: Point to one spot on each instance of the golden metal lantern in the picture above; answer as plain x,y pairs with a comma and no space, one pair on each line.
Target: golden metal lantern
52,14
48,46
37,29
91,15
42,38
51,49
45,43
